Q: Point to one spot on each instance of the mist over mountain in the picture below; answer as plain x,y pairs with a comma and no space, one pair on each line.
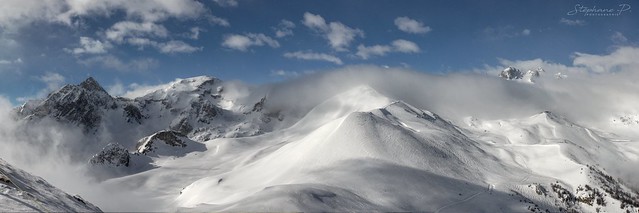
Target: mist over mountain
361,138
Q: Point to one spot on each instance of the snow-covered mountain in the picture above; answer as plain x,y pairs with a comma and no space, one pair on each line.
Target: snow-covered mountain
23,192
511,73
194,146
195,107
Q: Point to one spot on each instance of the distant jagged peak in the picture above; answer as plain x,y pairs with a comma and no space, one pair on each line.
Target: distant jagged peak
512,73
89,86
92,85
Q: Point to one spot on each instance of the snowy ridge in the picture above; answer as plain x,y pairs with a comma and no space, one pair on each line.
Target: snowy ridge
22,192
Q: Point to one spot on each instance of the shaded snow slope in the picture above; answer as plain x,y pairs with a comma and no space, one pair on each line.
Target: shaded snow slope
22,192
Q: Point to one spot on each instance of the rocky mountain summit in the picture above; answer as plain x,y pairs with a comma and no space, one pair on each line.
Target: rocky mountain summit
197,108
511,73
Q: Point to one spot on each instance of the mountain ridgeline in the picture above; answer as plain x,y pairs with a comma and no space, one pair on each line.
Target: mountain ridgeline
197,147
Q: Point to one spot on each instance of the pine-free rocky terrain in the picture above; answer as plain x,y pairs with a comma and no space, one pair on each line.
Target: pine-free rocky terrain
196,145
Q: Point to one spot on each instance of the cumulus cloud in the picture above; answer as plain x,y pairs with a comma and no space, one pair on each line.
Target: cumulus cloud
411,26
309,55
139,34
525,32
365,52
405,46
572,22
244,42
128,29
19,12
338,35
112,62
623,58
400,45
284,28
177,47
90,46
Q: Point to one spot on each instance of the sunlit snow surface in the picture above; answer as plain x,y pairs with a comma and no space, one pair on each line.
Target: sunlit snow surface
361,151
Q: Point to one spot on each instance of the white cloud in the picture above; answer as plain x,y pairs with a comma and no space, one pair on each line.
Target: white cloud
405,46
400,45
244,42
525,32
9,62
177,47
285,74
90,46
411,26
308,55
127,29
52,80
570,22
339,36
623,58
195,33
20,12
365,52
226,3
219,21
112,62
618,38
173,46
284,28
139,34
116,89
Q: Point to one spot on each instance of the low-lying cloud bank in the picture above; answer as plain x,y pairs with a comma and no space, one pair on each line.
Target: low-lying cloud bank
591,91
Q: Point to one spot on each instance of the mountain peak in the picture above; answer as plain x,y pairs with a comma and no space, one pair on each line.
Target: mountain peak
92,85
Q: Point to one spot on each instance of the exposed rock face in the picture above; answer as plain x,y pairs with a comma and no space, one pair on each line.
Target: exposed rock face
133,114
165,142
112,155
80,104
512,73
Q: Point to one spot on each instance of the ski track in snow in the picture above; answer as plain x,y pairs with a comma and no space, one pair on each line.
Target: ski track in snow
460,202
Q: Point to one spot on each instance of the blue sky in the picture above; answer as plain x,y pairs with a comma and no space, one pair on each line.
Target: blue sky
127,43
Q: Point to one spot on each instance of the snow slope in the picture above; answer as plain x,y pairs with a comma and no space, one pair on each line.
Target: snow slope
23,192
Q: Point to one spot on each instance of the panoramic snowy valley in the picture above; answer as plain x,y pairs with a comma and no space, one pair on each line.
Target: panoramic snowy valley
319,106
365,143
